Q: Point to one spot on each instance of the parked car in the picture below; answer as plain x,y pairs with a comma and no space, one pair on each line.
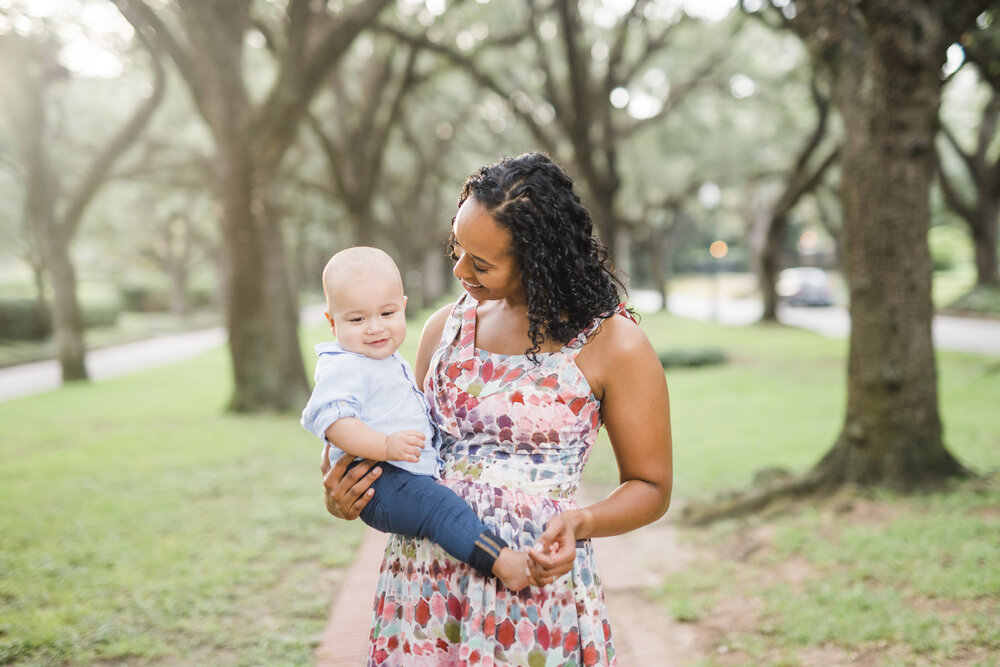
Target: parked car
805,286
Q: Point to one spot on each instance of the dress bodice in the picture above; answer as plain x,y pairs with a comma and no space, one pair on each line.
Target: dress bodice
507,420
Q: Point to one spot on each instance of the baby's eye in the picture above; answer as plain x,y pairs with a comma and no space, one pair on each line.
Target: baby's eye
389,313
356,320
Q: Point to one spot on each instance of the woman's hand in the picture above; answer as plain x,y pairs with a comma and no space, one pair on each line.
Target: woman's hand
347,492
553,554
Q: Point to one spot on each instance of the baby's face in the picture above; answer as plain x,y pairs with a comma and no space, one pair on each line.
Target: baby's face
368,316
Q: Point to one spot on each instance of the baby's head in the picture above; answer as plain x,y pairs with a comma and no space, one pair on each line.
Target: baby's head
365,304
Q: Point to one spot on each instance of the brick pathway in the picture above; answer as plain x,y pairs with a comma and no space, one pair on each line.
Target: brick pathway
345,639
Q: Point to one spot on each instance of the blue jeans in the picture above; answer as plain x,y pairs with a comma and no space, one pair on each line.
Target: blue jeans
418,506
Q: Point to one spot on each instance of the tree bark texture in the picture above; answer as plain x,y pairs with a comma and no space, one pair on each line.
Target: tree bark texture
885,58
771,260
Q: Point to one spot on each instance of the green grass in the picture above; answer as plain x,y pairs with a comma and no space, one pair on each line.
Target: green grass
777,402
911,579
780,400
141,525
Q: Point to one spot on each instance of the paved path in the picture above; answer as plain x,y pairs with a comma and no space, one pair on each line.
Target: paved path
109,362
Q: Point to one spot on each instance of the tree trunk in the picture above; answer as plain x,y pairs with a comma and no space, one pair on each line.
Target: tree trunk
250,142
892,431
178,238
67,318
39,211
261,311
984,237
178,290
41,302
658,262
770,265
599,198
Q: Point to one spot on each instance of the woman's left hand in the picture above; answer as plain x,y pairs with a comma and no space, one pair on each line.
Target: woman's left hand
553,554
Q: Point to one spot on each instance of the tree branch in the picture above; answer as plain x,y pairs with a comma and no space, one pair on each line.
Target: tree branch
97,173
950,192
301,74
967,158
144,19
469,66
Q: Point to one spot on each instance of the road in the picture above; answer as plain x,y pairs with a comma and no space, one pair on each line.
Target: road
964,334
950,333
109,362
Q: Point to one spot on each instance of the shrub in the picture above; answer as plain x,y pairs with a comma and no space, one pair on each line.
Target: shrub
692,357
153,294
146,296
984,300
101,307
950,247
20,319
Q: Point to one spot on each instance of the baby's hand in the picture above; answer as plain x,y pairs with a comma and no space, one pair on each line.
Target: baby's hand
404,445
511,567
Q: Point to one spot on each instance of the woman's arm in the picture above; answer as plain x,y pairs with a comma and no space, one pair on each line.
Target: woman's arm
625,372
347,492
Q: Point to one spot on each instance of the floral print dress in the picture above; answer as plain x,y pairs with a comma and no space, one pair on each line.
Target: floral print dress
515,439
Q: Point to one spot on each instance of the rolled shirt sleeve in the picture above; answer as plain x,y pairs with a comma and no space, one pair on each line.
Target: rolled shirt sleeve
339,394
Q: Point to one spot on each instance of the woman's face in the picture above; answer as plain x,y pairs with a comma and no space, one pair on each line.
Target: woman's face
484,259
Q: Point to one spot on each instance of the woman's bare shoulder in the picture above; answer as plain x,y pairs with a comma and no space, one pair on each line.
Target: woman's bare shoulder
615,349
618,335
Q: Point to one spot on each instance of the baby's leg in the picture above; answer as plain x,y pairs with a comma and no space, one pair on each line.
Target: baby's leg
416,505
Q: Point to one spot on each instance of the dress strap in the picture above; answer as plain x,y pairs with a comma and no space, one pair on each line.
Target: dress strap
573,347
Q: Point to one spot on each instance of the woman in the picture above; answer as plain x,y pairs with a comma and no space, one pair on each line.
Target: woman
520,373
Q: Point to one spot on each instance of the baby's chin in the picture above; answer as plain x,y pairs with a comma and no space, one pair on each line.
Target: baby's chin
383,351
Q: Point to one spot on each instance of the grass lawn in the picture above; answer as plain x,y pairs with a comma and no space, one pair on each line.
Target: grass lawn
883,579
141,525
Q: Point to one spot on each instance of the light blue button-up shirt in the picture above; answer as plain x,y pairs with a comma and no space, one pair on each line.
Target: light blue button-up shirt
380,392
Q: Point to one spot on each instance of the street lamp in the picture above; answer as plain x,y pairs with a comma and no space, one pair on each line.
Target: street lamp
710,196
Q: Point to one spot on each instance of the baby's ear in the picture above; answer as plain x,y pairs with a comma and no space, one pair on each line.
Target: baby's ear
333,327
404,301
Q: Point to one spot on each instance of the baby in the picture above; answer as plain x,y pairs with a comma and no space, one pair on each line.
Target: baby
366,404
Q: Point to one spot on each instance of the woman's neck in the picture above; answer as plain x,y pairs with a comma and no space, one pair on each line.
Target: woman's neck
502,327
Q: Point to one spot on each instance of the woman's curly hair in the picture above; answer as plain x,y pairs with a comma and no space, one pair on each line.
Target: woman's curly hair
567,275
